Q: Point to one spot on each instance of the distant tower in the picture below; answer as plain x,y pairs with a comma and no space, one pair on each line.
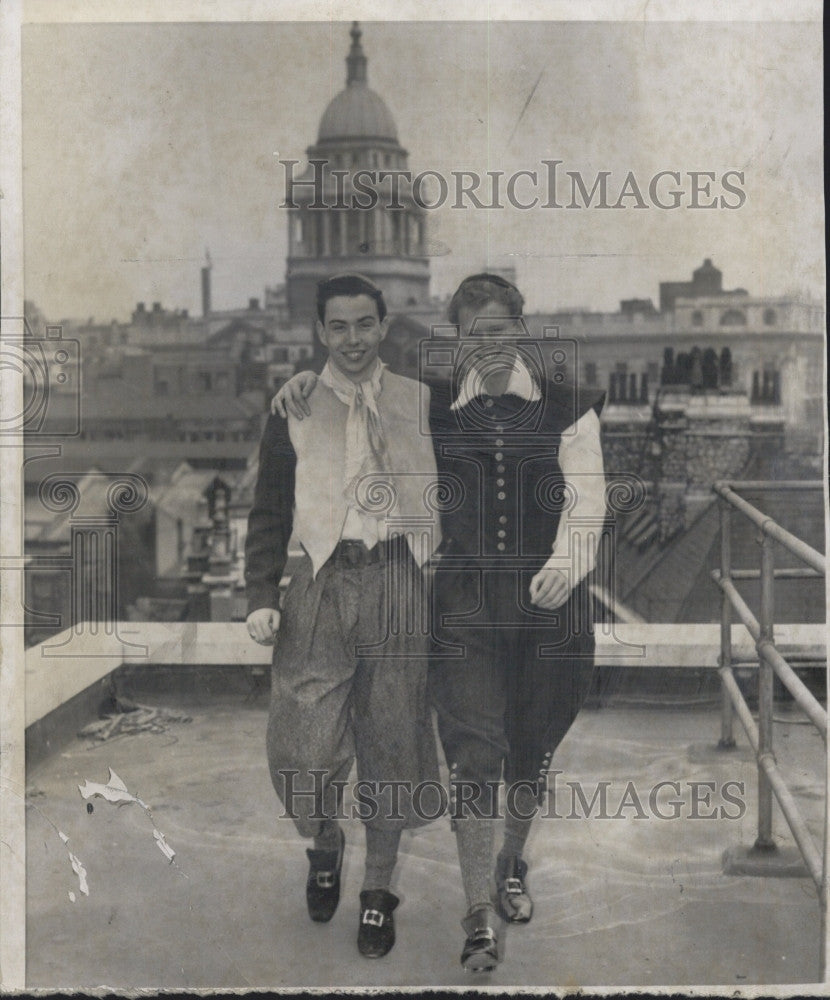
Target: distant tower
707,279
206,284
385,242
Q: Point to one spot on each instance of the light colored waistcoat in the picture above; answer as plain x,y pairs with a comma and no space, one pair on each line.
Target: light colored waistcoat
406,496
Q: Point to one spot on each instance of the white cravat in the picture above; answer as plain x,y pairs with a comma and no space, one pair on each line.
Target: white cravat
365,447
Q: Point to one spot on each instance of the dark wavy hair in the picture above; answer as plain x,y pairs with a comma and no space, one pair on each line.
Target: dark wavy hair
479,290
348,285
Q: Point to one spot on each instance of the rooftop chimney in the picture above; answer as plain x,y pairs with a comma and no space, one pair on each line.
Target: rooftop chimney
206,285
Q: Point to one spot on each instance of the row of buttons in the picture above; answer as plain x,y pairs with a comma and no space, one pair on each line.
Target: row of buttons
501,495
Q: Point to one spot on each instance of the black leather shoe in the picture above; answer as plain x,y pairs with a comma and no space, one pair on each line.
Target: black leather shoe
481,949
322,889
515,904
376,933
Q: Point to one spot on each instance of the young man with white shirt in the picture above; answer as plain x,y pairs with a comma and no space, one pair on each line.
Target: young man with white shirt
349,676
523,455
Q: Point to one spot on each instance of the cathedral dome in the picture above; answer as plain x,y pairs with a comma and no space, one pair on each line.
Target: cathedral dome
357,112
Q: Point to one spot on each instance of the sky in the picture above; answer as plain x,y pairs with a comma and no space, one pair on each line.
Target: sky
146,143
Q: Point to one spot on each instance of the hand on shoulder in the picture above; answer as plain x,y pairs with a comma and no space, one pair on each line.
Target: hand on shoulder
293,396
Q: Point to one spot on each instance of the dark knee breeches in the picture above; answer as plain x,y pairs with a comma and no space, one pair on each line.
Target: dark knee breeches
502,706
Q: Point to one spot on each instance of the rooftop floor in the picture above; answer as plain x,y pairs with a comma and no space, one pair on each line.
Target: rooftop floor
619,902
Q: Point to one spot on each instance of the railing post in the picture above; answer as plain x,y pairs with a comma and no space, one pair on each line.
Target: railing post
766,676
727,740
824,897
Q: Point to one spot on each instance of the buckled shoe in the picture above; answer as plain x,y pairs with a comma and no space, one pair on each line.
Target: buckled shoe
515,904
481,949
376,933
322,888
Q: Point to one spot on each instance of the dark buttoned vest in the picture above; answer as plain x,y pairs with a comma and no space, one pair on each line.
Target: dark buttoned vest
497,460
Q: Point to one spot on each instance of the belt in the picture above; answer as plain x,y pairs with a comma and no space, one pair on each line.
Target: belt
352,553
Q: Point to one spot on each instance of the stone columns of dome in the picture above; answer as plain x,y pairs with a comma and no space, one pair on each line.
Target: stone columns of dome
342,219
311,233
386,229
376,230
326,234
395,221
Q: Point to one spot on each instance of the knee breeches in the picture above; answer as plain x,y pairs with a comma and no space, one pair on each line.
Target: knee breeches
349,684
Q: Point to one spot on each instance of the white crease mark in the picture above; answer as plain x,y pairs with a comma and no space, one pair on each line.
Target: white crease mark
116,791
163,846
80,871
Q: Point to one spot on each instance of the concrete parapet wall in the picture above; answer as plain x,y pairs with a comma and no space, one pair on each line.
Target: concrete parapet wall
69,663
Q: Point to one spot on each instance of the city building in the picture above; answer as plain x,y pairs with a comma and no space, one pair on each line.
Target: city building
713,383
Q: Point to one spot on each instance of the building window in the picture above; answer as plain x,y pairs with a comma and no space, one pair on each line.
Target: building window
733,317
770,317
590,373
697,318
766,387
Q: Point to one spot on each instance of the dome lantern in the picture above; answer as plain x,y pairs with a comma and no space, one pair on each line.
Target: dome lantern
357,112
356,60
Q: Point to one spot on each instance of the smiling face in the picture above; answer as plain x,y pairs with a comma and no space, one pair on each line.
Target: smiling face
352,332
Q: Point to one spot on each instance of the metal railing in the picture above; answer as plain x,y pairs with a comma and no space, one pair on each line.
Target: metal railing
770,664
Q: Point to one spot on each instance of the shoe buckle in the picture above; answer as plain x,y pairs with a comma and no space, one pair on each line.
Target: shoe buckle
514,887
373,917
325,880
484,934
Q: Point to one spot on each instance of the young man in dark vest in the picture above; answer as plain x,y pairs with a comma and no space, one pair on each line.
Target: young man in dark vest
522,453
349,673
